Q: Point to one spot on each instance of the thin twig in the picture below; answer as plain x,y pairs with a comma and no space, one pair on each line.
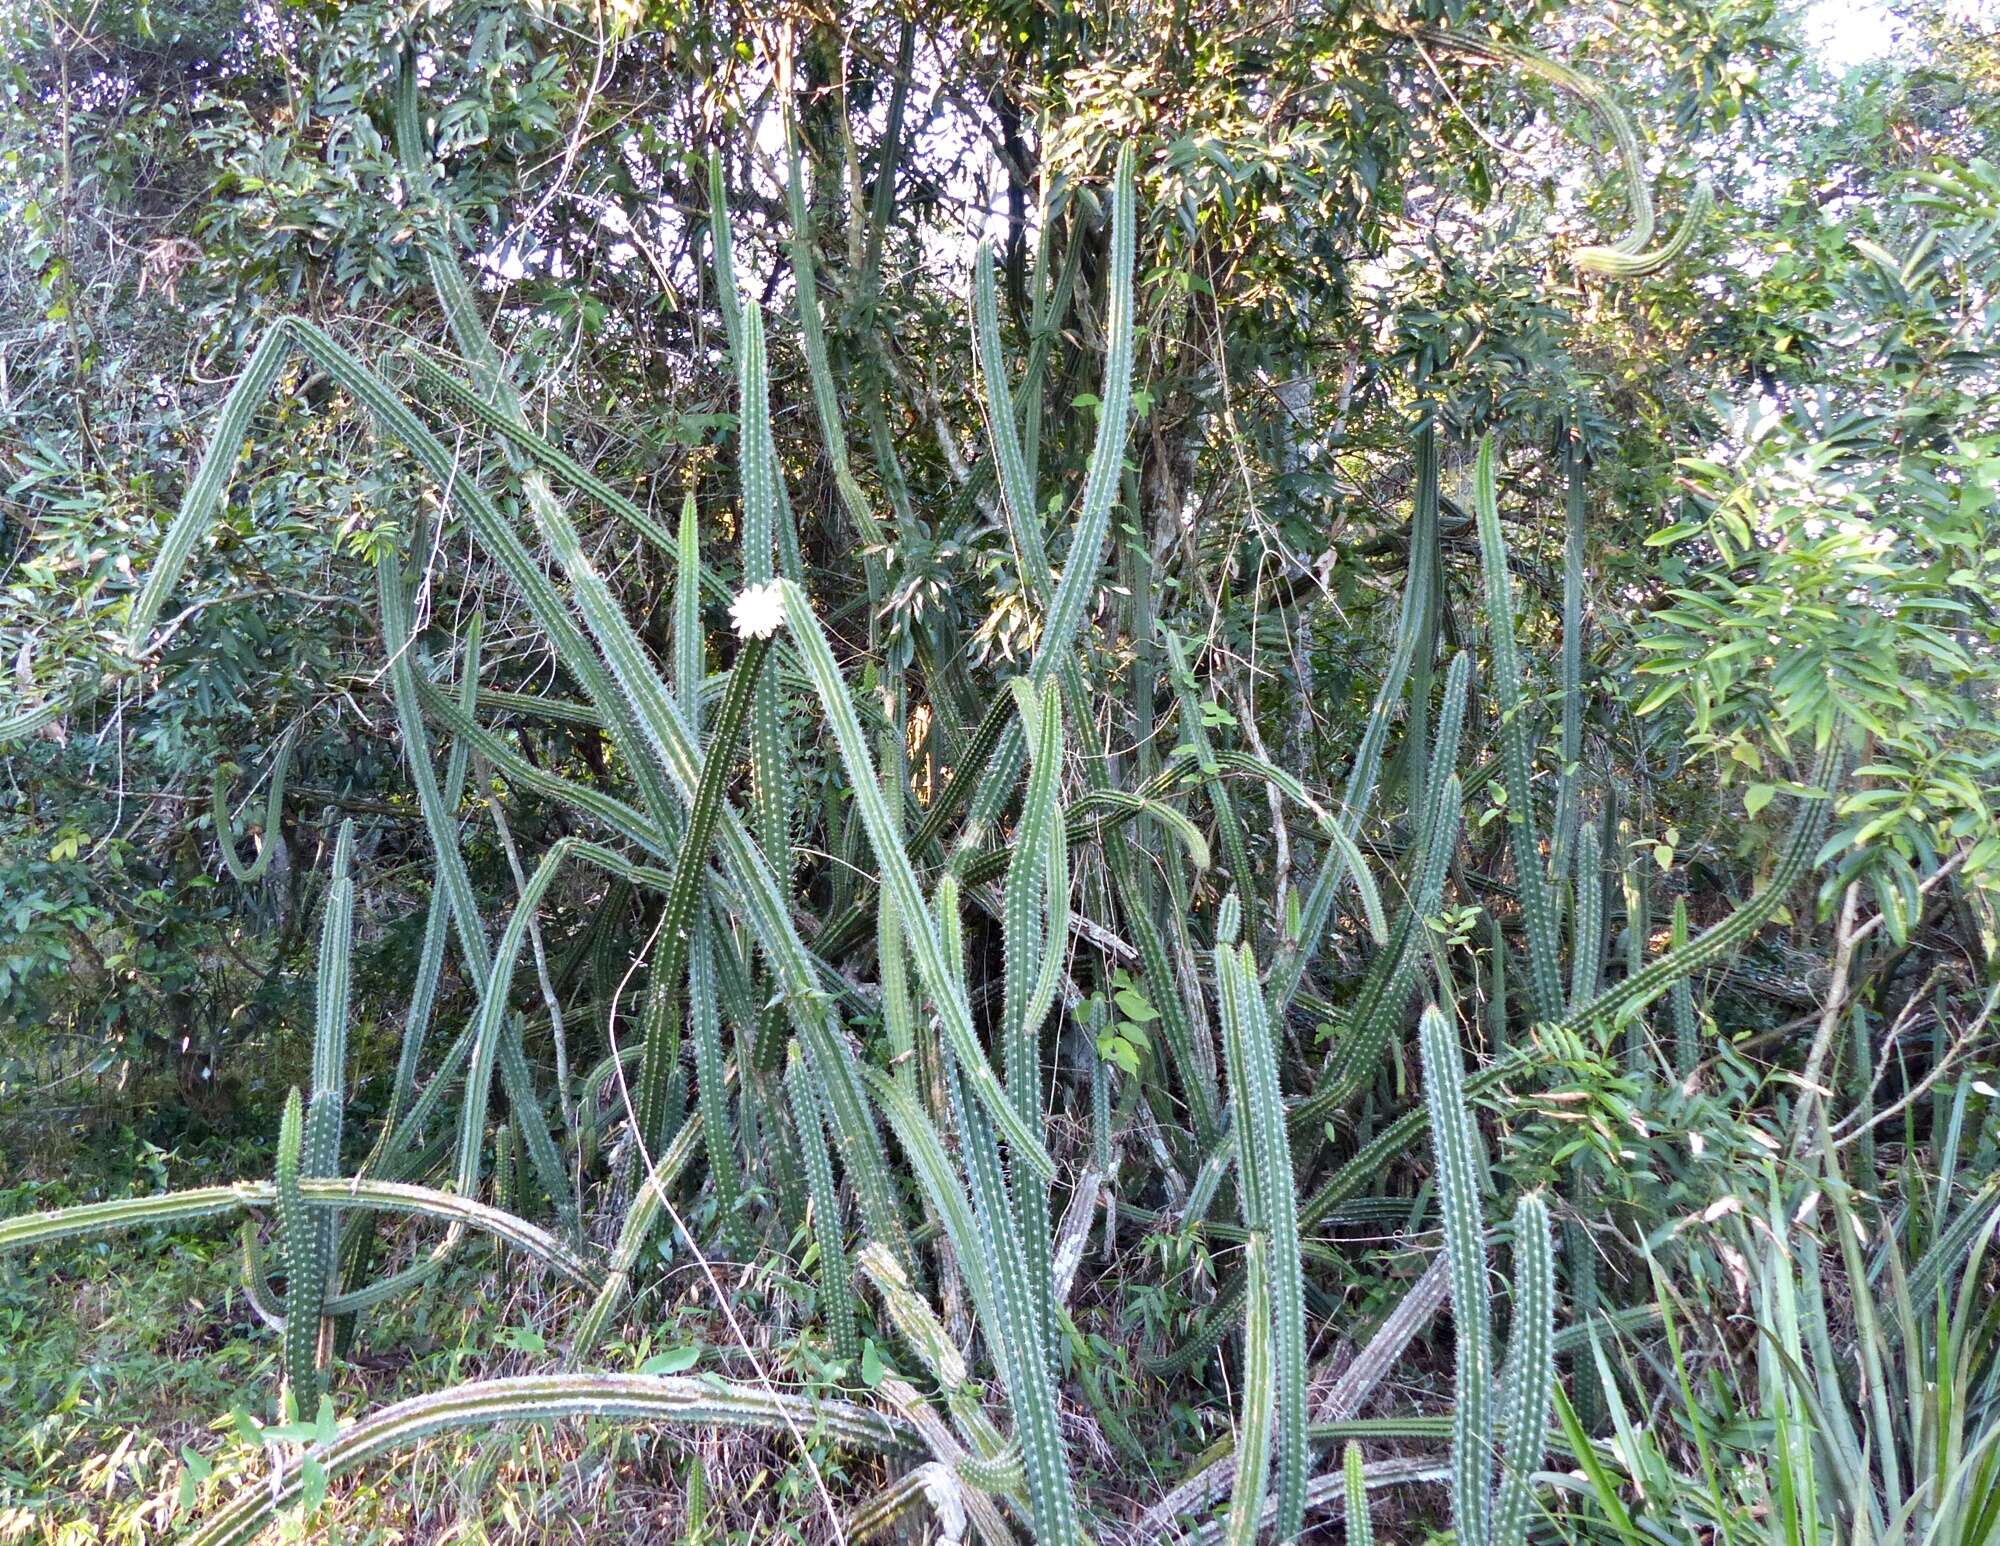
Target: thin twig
1922,1086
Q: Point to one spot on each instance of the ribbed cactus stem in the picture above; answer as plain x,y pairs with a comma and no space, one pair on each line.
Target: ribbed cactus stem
1587,938
1454,1142
919,926
1516,748
305,1267
1795,861
1194,735
1360,1527
684,893
1270,1206
1253,1427
1412,630
1687,1025
835,1276
757,474
1528,1376
693,1403
1569,776
256,1281
1001,1474
689,644
1629,257
1025,1360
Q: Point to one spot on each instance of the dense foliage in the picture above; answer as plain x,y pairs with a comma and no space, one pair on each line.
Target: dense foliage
1135,773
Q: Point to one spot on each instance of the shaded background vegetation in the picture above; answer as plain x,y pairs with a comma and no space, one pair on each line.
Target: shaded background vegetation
1789,443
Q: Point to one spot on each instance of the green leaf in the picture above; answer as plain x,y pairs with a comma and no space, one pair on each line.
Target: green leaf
312,1477
675,1360
1136,1006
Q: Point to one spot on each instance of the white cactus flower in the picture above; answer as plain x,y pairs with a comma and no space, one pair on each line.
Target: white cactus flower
759,611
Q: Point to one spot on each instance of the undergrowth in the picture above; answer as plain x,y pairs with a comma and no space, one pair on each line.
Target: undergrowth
1039,1169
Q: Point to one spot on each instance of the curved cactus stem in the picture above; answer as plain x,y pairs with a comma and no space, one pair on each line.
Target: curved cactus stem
256,1281
37,1229
1629,256
274,806
932,1484
974,1471
706,1401
1614,263
1795,861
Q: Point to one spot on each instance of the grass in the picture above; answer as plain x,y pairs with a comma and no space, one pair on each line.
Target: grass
129,1366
